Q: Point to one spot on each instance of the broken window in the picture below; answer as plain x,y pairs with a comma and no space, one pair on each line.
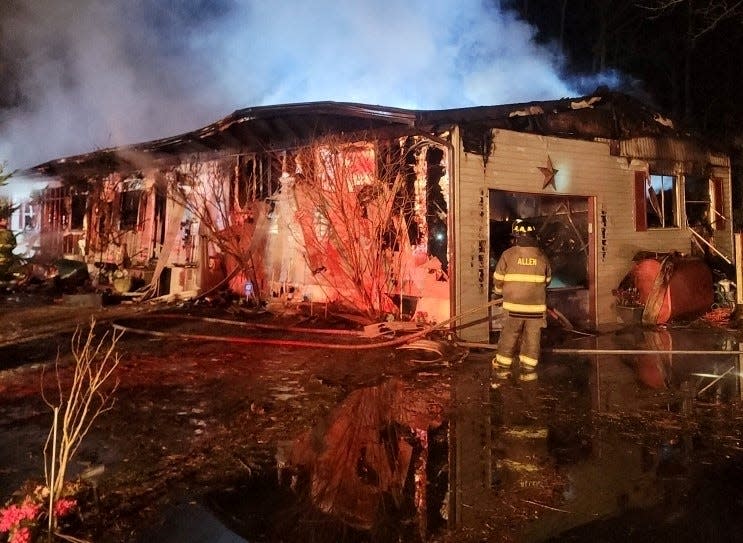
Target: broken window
704,203
661,201
252,181
131,198
78,205
697,199
29,211
717,211
129,217
54,210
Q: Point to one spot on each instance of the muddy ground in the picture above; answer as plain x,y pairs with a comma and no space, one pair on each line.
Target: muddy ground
223,432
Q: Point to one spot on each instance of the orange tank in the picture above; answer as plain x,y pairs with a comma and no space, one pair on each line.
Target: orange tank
688,286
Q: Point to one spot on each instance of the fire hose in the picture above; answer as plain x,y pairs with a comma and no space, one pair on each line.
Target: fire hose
310,344
408,338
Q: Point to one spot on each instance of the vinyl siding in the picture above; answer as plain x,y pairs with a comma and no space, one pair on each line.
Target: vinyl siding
584,169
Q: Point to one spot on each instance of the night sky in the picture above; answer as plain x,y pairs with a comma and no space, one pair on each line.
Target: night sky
648,42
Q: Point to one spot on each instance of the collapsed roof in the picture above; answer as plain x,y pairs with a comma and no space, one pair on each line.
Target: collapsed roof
603,115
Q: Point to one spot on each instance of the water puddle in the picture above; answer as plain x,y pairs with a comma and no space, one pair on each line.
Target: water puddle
375,469
601,447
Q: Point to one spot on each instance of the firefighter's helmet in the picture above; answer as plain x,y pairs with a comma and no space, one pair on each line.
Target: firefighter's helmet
522,228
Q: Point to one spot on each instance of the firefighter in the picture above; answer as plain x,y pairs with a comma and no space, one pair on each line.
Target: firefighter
521,276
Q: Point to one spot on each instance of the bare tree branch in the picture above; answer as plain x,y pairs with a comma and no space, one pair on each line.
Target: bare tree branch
88,395
703,17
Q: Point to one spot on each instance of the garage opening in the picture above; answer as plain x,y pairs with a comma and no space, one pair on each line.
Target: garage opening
564,226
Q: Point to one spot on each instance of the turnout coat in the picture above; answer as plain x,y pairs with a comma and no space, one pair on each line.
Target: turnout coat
521,276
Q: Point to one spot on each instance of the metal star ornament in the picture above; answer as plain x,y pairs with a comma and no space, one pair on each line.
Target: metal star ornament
549,174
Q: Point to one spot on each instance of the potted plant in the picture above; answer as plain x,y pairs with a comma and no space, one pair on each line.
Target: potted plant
628,306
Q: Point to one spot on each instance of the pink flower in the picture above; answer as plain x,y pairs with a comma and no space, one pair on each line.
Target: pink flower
22,535
64,506
30,509
7,518
13,515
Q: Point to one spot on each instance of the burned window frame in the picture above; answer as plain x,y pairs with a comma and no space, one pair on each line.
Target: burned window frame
712,203
78,209
130,203
29,213
252,181
54,212
697,201
660,214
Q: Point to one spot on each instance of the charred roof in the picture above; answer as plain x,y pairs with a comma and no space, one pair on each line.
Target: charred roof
605,115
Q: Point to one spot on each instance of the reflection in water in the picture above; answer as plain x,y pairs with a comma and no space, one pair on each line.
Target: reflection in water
373,470
654,370
602,438
370,458
611,448
706,377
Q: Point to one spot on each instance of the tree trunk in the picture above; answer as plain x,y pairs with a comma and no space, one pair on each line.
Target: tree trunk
690,43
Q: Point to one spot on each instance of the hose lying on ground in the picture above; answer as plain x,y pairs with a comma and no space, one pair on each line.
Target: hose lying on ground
263,326
310,344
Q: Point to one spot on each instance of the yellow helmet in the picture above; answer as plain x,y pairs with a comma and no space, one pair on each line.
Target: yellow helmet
522,228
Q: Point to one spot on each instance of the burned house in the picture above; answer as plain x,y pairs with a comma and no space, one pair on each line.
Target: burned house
391,210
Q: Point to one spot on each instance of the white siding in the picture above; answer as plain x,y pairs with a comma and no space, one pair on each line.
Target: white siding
584,169
724,238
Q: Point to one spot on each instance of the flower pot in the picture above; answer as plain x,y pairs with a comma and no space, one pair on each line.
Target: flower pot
630,314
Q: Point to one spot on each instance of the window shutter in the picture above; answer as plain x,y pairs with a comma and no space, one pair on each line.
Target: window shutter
718,222
641,214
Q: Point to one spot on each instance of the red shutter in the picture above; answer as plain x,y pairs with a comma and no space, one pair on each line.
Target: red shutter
641,213
718,222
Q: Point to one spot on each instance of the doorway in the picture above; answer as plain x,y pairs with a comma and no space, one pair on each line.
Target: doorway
564,226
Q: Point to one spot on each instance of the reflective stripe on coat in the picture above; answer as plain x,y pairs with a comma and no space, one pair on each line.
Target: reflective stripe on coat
521,277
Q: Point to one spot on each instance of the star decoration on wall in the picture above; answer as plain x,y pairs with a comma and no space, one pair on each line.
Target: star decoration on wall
549,174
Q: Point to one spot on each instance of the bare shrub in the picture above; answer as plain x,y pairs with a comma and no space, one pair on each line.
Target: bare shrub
354,208
205,189
79,403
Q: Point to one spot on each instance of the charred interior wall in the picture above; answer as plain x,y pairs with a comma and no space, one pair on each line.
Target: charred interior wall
168,219
437,208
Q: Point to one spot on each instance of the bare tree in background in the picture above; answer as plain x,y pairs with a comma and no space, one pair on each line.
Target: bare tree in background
615,23
701,18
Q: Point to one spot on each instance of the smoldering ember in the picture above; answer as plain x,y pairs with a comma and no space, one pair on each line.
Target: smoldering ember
279,327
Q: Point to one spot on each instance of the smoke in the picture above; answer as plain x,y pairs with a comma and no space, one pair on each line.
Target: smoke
83,75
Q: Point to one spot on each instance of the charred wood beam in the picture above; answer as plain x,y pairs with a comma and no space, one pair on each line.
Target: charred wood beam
248,140
477,139
289,133
229,141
